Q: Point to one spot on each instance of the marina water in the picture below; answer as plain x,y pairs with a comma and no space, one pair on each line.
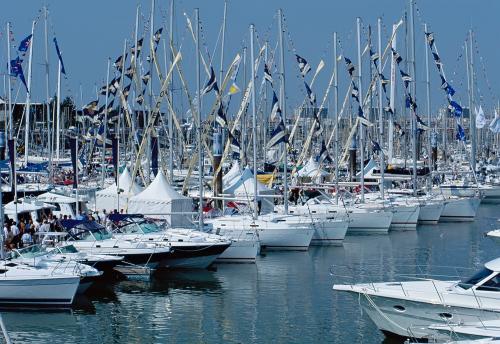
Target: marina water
286,297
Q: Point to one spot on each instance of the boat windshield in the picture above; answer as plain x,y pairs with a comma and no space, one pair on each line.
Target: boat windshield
493,284
478,277
149,227
29,252
140,227
96,235
68,249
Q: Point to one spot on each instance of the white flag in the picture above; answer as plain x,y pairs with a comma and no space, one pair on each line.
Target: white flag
480,119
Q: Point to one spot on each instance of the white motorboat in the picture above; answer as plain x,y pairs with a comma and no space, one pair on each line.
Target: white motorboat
408,309
494,235
93,238
25,285
38,257
190,249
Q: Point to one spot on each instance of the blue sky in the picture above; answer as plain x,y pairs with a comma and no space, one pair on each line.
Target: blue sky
91,31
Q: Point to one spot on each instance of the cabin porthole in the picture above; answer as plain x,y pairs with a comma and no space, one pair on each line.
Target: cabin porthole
446,316
399,308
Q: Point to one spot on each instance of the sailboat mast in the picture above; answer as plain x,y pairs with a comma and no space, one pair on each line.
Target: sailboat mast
170,117
380,107
254,123
392,97
336,111
118,126
413,93
58,112
283,106
9,81
28,100
198,124
428,92
361,129
105,135
47,90
472,115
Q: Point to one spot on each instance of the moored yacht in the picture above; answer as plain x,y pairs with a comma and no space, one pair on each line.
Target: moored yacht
191,249
408,309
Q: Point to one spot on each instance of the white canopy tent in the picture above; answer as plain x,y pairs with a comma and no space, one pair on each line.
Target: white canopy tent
161,200
107,199
243,187
312,170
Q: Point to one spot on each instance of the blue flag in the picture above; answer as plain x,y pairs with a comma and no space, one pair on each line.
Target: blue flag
25,44
60,56
455,108
16,70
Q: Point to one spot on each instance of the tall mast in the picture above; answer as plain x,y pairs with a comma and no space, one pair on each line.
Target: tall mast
170,117
47,89
103,163
336,111
57,104
223,39
428,92
9,81
254,123
413,93
118,125
380,107
472,115
361,129
28,99
283,106
150,83
392,96
198,124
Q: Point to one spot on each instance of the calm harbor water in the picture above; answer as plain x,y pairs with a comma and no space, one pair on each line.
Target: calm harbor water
286,297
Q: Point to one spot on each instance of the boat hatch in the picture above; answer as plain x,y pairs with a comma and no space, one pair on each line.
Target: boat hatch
399,308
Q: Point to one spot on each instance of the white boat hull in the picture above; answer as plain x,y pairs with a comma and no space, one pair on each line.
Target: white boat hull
369,222
405,217
240,251
329,232
430,213
460,209
38,292
272,238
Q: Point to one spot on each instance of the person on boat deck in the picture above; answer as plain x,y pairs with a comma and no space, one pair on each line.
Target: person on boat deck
15,231
9,238
27,239
45,227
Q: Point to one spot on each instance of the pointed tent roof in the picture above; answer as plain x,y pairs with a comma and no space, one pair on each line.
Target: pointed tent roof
234,172
158,190
125,181
245,184
311,169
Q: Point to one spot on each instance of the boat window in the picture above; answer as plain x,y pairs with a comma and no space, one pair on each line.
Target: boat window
68,249
100,235
149,227
493,284
32,251
478,277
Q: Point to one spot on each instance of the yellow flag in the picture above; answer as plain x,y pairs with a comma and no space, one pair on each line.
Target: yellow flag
233,89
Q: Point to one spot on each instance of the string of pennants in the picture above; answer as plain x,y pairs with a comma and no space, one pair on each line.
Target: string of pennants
453,106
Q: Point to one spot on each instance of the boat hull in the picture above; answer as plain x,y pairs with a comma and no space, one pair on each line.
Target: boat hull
430,213
240,251
369,223
329,232
405,217
193,256
294,239
460,210
50,292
